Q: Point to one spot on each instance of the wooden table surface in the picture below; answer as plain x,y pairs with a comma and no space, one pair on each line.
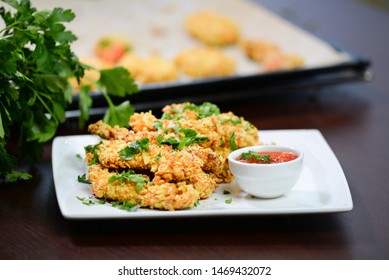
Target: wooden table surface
354,119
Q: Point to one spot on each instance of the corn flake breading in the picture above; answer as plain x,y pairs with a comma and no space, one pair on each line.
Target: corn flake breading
212,28
168,163
205,62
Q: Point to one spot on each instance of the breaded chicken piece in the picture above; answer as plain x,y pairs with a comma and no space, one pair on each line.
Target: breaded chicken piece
183,154
170,196
151,69
101,188
107,132
205,62
212,161
212,28
143,121
180,110
282,61
109,156
218,128
245,133
156,158
167,196
208,127
121,137
258,50
271,56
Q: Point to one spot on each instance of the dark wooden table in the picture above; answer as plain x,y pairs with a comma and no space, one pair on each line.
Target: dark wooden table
354,119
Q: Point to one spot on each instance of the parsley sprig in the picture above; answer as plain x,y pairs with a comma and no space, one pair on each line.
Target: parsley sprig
232,140
36,63
203,110
93,149
190,137
83,179
120,204
129,175
251,154
134,148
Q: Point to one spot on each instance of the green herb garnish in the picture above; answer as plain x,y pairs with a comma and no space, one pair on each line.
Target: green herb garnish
233,145
190,138
251,154
93,150
86,201
83,179
158,125
134,148
228,201
226,192
207,109
204,110
129,176
36,64
233,121
171,141
125,205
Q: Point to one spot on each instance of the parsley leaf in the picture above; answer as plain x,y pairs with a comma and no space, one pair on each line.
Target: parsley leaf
134,148
36,64
207,109
93,150
228,201
125,205
233,145
117,81
83,179
172,141
129,176
190,138
251,154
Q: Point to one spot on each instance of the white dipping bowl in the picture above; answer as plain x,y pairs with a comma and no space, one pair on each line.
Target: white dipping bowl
266,180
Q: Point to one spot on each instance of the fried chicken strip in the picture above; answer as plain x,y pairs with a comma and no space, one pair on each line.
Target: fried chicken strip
167,196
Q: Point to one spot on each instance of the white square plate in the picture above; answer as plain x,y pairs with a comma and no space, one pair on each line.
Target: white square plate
321,188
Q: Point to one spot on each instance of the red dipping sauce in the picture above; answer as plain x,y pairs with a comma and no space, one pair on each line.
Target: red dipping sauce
269,157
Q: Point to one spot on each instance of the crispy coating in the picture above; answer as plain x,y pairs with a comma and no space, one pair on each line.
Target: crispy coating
218,128
109,157
151,69
143,121
283,61
170,196
107,132
258,50
99,176
212,28
212,162
246,134
166,196
177,175
271,56
180,110
205,62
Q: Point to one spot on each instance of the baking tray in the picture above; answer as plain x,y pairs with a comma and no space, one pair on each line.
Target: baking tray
138,21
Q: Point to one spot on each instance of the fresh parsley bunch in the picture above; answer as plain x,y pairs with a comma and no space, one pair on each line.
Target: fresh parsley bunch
36,63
